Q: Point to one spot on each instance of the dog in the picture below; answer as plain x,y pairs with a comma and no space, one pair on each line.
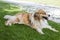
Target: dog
37,20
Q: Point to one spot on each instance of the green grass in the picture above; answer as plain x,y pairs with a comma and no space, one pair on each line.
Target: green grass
23,32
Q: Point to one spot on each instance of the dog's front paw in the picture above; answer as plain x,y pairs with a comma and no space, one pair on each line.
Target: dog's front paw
40,31
56,30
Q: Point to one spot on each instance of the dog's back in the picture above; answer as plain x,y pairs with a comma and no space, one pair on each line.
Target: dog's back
24,18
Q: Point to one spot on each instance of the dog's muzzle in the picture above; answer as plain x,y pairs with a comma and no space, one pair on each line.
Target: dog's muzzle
46,17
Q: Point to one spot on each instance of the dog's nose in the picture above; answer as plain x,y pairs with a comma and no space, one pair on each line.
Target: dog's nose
48,15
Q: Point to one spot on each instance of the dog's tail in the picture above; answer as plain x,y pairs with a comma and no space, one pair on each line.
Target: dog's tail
7,16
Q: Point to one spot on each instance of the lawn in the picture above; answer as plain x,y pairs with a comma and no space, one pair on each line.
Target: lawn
23,32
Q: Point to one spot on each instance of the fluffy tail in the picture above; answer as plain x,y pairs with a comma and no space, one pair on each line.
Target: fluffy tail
7,16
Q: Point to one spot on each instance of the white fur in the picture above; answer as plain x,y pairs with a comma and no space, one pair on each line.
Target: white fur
7,17
11,19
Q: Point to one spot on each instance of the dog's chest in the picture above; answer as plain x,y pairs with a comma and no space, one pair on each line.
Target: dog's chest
44,23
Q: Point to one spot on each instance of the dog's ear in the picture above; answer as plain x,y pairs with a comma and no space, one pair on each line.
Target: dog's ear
36,16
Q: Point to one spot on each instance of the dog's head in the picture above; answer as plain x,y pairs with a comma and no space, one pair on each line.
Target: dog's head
41,14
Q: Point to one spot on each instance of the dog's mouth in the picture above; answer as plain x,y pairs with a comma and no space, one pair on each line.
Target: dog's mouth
45,18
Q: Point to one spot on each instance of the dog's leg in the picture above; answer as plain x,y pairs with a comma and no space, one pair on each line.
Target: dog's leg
37,29
53,29
8,23
40,30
